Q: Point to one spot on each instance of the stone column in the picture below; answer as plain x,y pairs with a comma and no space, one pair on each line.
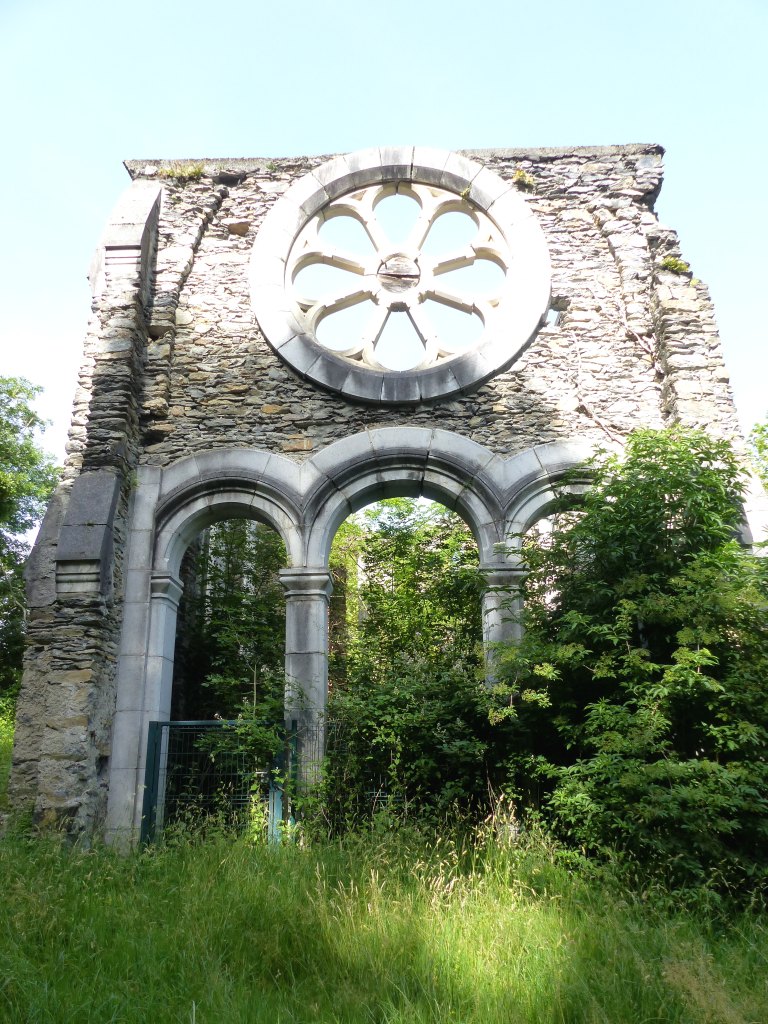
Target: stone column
166,593
307,596
150,702
502,608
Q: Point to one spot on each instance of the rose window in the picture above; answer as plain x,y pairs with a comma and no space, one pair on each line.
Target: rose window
400,279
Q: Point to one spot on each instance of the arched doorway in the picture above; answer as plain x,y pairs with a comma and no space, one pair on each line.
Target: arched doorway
407,718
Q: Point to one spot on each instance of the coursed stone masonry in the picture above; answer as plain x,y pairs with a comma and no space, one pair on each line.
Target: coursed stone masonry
189,410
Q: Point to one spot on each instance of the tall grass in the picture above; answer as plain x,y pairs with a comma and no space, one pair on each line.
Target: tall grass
386,928
6,746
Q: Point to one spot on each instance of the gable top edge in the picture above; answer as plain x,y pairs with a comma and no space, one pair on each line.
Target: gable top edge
212,165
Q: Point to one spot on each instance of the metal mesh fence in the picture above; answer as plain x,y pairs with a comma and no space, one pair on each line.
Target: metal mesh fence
206,771
201,771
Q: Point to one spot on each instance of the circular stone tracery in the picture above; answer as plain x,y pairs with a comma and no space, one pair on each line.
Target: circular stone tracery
376,279
384,277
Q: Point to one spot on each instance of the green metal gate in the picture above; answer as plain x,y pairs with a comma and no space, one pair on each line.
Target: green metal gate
199,770
202,770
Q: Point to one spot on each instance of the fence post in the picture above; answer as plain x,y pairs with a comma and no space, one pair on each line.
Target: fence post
151,780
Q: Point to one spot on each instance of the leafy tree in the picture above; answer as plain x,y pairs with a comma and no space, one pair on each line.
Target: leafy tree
638,693
409,717
758,443
230,647
27,478
409,577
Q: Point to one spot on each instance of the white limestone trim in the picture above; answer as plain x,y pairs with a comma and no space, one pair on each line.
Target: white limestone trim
307,596
226,483
517,243
307,501
128,242
398,276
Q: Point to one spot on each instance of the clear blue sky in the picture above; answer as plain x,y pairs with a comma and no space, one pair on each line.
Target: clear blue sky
87,84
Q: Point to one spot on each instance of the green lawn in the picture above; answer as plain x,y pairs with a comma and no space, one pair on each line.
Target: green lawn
387,928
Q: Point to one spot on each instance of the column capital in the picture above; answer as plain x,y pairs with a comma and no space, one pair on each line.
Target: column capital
306,582
165,587
504,575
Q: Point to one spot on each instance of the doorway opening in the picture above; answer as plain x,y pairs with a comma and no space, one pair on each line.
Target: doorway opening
218,759
408,708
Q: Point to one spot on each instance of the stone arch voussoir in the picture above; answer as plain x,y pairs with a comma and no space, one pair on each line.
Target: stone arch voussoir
226,483
408,462
538,479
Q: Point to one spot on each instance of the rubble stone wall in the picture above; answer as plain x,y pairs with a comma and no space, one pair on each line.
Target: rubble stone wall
628,334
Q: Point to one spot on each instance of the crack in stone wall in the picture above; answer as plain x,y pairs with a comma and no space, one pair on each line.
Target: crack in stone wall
179,239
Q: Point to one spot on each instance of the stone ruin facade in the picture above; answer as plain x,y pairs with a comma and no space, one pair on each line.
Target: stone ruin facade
210,389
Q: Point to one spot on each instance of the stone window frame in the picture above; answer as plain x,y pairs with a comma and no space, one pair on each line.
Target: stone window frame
527,287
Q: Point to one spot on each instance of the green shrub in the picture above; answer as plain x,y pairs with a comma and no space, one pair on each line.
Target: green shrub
644,665
675,265
523,181
758,447
182,172
417,738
